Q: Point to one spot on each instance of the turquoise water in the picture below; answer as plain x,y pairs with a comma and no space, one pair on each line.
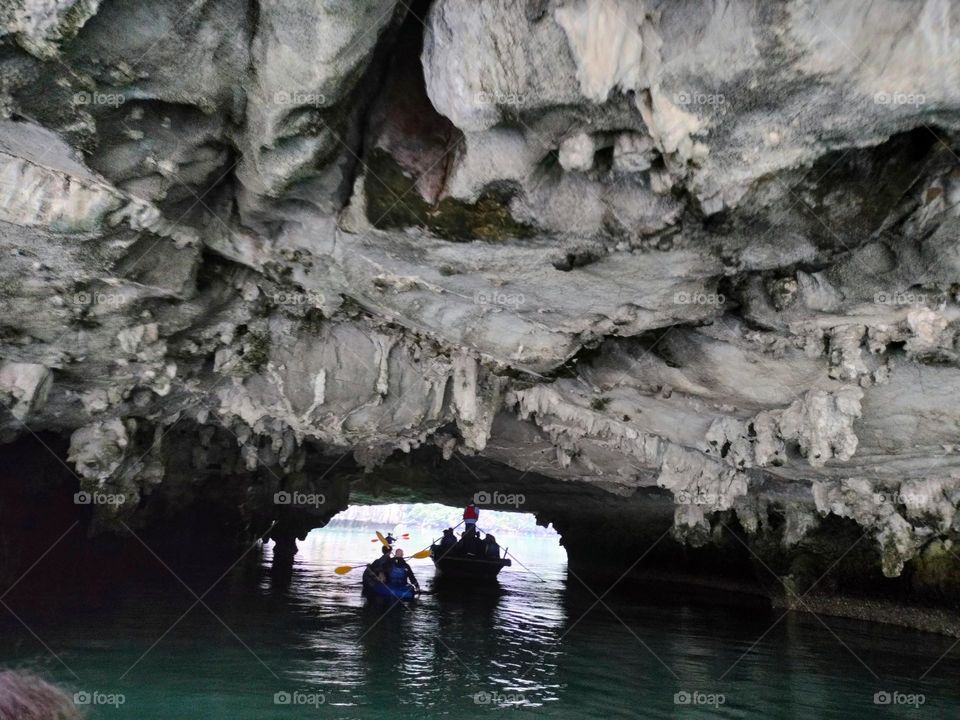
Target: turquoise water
306,645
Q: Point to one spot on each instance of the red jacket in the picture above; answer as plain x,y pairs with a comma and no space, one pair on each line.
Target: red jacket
471,513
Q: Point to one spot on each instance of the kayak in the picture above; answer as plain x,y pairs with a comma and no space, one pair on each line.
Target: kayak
393,593
374,587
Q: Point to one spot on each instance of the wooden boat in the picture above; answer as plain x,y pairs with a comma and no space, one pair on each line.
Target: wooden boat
453,564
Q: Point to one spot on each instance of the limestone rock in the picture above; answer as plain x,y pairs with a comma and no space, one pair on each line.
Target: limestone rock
695,259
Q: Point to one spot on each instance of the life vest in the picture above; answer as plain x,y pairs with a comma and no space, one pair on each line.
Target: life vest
471,513
398,576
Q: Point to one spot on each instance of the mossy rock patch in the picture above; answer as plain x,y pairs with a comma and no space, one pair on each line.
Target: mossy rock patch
393,202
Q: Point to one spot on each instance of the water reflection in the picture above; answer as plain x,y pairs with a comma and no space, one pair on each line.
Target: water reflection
539,642
473,639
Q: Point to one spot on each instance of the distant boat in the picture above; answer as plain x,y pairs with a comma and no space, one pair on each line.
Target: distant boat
467,566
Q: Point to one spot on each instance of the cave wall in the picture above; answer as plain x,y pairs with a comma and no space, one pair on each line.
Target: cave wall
690,267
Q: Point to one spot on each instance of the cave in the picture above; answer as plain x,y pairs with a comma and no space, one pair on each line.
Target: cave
683,278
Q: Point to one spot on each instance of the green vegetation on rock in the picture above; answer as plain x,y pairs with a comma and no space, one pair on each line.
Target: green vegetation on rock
256,351
393,201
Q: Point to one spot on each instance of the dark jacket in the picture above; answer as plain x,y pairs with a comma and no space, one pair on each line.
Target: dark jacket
491,550
411,578
381,564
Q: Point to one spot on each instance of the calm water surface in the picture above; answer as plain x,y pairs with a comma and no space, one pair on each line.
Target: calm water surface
306,645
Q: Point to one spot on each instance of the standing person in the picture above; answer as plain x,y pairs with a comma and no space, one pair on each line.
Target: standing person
470,516
470,542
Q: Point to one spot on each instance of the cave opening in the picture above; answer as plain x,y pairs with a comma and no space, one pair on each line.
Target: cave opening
351,539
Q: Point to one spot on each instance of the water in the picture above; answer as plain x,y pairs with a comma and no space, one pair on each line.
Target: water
537,648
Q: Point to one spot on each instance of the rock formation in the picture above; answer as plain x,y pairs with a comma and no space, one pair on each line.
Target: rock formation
687,265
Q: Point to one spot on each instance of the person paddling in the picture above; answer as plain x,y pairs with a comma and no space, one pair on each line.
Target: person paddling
400,572
380,566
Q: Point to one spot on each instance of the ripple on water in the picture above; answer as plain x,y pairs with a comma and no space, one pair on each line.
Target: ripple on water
532,646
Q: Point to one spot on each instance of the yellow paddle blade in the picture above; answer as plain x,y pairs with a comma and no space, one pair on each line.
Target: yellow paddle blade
344,569
382,539
422,554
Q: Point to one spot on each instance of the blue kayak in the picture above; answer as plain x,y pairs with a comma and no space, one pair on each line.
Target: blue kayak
373,587
406,592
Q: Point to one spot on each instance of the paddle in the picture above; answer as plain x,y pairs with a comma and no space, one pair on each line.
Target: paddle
507,552
405,536
344,569
425,553
421,555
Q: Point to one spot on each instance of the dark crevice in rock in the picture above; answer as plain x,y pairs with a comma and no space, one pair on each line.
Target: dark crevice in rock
394,201
579,258
410,150
583,357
